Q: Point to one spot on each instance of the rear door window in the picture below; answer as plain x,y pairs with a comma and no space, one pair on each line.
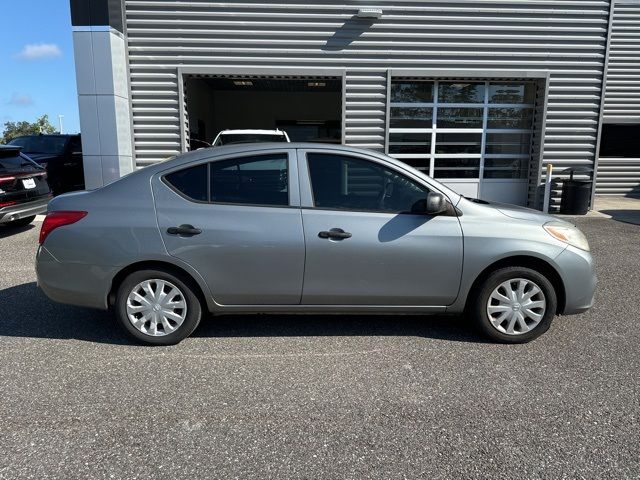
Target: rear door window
255,180
260,180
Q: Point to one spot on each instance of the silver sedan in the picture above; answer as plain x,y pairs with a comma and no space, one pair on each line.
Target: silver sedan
306,228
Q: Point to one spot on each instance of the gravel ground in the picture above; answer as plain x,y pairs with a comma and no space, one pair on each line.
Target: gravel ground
321,397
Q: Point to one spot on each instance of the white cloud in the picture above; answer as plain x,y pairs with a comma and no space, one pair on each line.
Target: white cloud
20,100
38,51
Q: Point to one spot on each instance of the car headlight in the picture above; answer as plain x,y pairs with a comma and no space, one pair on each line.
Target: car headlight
567,234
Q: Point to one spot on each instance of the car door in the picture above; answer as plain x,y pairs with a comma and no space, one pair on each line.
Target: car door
363,244
237,221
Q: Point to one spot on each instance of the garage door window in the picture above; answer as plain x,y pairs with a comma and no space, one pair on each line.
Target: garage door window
462,129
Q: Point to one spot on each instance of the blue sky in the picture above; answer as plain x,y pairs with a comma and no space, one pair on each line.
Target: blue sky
36,63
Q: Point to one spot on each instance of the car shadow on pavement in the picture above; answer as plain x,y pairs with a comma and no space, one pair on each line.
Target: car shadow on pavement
26,312
451,328
626,216
7,231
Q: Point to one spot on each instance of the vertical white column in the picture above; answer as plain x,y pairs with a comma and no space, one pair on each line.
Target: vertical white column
434,126
103,100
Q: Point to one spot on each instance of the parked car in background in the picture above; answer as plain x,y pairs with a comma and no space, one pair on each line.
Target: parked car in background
197,144
60,155
24,191
233,137
306,228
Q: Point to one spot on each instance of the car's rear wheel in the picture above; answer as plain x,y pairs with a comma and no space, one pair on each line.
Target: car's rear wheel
515,305
22,222
157,307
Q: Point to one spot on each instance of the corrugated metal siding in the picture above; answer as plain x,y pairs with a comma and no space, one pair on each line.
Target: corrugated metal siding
618,176
565,37
622,94
365,109
621,176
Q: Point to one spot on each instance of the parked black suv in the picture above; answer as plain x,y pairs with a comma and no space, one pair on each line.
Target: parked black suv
61,155
24,191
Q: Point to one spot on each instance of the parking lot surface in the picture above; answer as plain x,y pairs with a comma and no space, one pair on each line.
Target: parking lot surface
321,396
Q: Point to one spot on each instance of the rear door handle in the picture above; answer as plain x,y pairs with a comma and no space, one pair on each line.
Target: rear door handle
185,230
335,233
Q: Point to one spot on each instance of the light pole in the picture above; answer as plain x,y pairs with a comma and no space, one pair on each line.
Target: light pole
60,117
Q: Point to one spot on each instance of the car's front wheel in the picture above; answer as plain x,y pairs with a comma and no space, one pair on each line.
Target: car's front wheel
515,305
157,307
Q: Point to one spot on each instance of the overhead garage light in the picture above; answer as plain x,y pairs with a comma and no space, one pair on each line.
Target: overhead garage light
317,84
369,13
243,83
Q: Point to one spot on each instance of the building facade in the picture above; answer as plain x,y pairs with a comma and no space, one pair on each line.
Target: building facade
618,167
480,94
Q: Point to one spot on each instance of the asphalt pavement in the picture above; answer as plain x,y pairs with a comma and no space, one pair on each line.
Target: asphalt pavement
321,396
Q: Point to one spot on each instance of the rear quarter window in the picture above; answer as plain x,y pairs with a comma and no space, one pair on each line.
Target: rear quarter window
190,182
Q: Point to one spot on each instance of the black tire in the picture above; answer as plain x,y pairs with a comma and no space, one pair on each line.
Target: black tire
187,289
22,222
479,305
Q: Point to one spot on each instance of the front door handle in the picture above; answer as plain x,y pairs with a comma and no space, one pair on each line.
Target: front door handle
185,230
335,233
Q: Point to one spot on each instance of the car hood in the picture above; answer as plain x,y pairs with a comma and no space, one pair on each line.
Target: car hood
518,212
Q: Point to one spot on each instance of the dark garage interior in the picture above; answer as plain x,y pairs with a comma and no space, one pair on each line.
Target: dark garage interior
309,109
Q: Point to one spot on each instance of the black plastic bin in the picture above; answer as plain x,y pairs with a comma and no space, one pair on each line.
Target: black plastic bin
575,196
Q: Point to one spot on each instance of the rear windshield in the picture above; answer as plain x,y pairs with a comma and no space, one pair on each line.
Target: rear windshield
41,144
231,138
14,161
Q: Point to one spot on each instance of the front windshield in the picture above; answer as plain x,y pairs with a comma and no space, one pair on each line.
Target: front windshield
41,144
231,138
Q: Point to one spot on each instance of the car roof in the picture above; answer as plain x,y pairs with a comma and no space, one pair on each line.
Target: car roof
250,131
212,152
48,135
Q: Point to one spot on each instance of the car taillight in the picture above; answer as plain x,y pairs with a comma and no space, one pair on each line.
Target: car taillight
6,179
6,204
57,219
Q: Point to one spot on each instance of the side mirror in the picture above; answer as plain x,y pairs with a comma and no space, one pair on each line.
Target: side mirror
436,203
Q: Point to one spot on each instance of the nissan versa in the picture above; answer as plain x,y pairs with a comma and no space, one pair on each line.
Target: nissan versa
308,228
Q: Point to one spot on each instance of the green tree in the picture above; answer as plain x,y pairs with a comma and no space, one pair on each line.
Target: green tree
16,129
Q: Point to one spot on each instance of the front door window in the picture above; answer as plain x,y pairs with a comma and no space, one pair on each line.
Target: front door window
347,183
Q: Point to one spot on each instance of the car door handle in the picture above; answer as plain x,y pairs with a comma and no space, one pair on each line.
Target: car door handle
336,233
185,230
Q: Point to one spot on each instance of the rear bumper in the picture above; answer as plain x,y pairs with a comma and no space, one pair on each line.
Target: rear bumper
22,210
73,283
579,277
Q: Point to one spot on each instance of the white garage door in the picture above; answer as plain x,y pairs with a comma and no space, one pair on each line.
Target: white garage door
473,136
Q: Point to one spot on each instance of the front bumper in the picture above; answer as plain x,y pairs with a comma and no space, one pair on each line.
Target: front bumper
578,273
22,210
